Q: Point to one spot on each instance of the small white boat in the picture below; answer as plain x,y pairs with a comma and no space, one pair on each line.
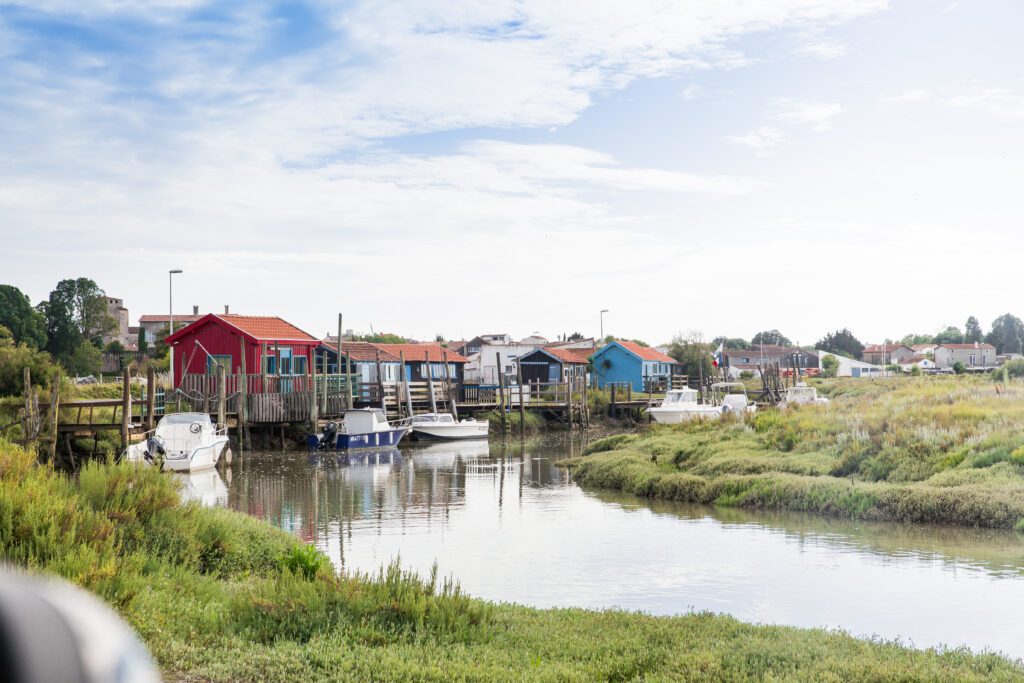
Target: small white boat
444,426
732,402
680,405
183,442
802,395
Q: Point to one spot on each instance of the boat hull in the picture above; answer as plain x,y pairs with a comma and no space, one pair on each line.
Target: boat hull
663,416
451,432
201,458
348,442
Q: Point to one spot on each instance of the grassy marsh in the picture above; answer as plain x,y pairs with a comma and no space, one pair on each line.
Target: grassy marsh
220,596
936,449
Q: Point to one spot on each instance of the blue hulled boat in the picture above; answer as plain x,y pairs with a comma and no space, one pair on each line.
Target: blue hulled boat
360,428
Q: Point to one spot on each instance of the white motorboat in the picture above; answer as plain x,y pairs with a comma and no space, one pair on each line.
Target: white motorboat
680,405
182,442
731,401
802,395
445,426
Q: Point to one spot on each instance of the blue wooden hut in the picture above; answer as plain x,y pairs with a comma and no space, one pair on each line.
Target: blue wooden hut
623,361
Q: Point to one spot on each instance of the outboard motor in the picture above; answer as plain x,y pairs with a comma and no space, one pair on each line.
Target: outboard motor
154,448
330,435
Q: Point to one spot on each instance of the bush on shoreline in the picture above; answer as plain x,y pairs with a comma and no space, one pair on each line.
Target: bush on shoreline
217,595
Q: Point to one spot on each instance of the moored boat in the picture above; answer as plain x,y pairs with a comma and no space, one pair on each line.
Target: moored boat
360,428
681,405
446,427
801,395
182,442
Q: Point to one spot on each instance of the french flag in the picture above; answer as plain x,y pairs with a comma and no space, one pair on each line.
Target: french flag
716,357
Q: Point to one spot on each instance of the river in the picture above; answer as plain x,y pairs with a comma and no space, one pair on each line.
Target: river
512,527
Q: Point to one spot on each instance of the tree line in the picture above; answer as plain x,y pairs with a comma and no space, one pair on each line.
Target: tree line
69,328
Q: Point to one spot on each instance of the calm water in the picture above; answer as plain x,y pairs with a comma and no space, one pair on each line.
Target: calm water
512,527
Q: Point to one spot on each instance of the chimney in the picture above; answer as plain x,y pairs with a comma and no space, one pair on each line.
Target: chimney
195,310
226,309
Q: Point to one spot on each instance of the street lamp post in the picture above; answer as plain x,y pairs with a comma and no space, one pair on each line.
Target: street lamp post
603,311
170,305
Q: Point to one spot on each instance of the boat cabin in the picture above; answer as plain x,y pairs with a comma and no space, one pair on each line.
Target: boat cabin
366,421
680,396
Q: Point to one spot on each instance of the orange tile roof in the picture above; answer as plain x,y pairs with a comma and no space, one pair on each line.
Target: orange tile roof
362,351
645,352
579,356
266,327
430,352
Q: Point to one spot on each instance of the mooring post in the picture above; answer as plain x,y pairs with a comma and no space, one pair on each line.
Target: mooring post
430,384
380,384
568,401
243,397
314,395
347,402
501,392
222,402
522,407
450,390
611,404
323,392
54,418
150,398
398,388
586,403
126,406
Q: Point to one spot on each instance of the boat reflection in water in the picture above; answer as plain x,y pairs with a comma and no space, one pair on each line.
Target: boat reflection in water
206,487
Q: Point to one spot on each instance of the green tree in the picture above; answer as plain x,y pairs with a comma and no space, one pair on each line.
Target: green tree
76,310
693,354
829,366
958,368
26,324
86,360
384,338
841,342
1006,333
972,331
950,335
770,338
730,343
15,357
912,338
143,344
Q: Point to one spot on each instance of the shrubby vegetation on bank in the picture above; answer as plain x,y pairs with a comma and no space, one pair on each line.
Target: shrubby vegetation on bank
217,595
947,450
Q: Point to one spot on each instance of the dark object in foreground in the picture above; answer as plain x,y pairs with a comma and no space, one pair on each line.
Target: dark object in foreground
52,631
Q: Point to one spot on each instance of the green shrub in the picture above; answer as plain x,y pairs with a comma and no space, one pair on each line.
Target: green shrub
305,560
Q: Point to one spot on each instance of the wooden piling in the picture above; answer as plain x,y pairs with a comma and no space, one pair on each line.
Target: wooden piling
222,398
150,399
586,403
314,395
347,401
380,385
501,393
430,385
450,390
522,406
126,407
611,404
54,418
568,400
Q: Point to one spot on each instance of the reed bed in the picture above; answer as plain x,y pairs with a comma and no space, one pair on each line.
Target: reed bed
217,595
933,449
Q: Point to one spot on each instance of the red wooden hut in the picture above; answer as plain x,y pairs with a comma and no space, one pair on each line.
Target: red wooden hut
272,347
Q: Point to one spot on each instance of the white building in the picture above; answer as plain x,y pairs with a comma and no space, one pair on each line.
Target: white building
848,367
976,356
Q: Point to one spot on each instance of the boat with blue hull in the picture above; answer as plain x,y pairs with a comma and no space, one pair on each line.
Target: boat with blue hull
360,428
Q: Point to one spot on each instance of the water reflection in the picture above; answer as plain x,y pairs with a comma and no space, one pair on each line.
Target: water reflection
513,527
206,487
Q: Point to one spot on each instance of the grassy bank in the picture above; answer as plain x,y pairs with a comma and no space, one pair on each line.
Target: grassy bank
220,596
943,450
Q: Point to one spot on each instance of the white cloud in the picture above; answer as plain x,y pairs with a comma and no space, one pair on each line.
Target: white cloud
764,140
824,50
817,115
907,96
999,102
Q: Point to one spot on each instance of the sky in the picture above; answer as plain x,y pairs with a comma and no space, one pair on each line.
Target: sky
468,167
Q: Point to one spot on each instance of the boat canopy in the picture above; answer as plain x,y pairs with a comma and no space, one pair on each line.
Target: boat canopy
681,396
365,421
432,418
185,419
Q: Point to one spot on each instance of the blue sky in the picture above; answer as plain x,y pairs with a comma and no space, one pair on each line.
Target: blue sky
464,167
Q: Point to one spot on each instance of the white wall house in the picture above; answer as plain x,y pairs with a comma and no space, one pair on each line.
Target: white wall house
976,356
485,366
848,367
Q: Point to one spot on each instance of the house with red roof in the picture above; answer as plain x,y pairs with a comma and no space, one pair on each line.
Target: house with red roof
269,345
421,360
643,367
553,364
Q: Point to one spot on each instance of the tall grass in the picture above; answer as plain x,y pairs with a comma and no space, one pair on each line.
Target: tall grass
220,596
947,450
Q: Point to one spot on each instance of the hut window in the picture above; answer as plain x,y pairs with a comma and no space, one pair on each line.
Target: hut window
213,362
299,365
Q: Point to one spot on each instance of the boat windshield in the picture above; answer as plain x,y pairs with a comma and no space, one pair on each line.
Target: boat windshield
424,419
185,419
681,397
